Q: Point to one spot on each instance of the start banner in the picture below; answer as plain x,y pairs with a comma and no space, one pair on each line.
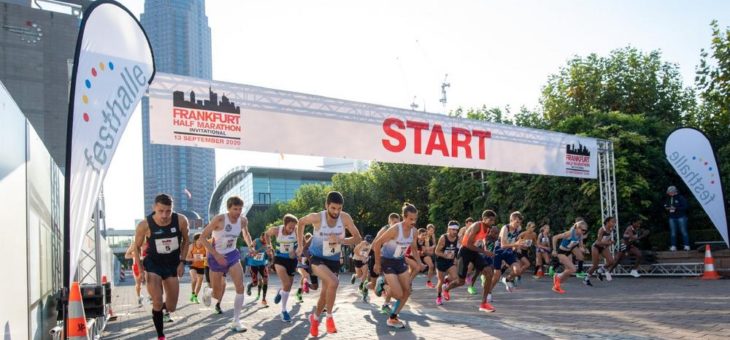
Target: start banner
203,113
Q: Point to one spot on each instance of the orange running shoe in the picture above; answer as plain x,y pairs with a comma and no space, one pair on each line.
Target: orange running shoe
331,325
558,290
313,325
486,307
446,295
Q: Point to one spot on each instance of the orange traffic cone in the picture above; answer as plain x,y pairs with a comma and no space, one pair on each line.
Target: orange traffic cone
710,273
76,321
111,315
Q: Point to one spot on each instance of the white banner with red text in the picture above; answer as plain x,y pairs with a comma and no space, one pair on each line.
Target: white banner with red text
202,113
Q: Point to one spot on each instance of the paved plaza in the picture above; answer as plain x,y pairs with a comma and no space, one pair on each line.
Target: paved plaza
626,308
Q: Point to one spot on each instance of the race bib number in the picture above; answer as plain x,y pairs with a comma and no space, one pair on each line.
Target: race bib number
230,243
528,242
449,253
364,253
198,257
329,249
479,244
166,245
399,251
303,261
259,257
285,248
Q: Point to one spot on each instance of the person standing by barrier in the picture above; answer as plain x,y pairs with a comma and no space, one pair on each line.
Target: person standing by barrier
166,233
676,206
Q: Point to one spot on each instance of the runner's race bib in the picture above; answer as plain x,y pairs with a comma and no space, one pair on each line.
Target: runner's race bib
259,257
285,248
399,251
230,243
479,243
330,249
166,245
198,257
449,253
365,253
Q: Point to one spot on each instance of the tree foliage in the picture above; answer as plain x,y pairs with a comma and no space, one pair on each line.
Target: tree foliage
630,97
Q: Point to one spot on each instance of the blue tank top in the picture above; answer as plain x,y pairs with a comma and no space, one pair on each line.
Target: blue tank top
571,242
327,240
396,248
260,259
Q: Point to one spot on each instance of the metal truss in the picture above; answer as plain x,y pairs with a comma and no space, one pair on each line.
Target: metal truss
663,269
266,99
607,185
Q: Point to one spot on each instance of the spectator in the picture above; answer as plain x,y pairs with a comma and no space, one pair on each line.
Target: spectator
676,205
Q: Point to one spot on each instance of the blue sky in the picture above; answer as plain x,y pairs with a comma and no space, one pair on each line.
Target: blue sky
496,53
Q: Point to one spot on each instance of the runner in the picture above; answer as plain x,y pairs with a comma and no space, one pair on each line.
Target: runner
429,253
471,274
629,245
473,252
445,255
571,244
166,235
208,287
602,247
377,281
504,251
307,280
389,250
530,238
542,250
259,266
361,256
285,259
196,256
224,257
329,236
138,276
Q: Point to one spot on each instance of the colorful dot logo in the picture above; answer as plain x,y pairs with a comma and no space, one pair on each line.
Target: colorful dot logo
88,83
708,166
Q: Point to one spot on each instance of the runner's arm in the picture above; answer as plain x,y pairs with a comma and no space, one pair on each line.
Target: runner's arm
309,219
246,234
183,221
207,232
440,247
139,238
381,240
355,237
559,237
189,256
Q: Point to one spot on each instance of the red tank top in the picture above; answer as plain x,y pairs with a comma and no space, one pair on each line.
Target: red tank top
481,234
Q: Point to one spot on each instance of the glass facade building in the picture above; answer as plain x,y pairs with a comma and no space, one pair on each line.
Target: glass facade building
180,37
260,187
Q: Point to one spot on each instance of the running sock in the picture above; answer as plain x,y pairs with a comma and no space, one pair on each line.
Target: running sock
329,315
265,287
164,307
259,287
157,320
299,291
439,293
395,307
284,298
393,316
218,305
237,305
580,266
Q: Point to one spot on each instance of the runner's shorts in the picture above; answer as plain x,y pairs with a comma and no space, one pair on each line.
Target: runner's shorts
289,264
232,257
